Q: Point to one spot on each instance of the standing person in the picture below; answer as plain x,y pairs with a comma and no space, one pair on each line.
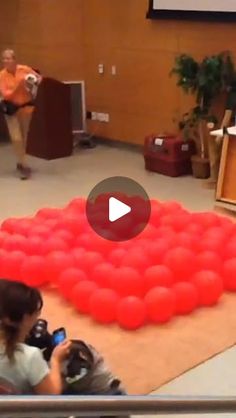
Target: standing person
16,89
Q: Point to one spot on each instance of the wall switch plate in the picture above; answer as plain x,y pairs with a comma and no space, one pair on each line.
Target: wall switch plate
113,70
101,68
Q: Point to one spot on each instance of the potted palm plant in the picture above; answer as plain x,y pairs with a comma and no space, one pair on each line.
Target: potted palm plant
206,81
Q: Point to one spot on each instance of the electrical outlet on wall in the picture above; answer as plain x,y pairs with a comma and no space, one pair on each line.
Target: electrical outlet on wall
100,117
113,70
106,117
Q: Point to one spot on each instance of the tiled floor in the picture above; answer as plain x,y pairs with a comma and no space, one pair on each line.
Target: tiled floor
55,183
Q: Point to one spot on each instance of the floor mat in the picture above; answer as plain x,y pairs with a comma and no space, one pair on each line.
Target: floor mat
154,355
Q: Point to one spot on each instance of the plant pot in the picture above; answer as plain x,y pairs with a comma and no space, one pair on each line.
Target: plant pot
200,167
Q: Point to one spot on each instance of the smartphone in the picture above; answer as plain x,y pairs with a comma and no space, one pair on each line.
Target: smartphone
58,336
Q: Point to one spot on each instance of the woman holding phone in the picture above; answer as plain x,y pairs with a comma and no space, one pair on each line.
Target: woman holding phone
22,366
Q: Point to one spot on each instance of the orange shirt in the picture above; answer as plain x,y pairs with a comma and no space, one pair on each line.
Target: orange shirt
12,86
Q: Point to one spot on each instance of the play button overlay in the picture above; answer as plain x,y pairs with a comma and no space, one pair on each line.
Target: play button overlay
118,209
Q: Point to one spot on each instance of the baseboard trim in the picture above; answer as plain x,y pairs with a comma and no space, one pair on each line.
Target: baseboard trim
114,143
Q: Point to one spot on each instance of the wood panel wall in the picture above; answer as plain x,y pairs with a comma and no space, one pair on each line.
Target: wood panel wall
46,34
67,39
142,98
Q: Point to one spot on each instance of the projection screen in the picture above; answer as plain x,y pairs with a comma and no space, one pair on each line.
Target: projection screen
207,9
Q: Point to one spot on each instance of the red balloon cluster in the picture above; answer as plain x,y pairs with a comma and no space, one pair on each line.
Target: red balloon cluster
180,262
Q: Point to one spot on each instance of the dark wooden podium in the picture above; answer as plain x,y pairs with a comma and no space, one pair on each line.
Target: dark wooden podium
50,134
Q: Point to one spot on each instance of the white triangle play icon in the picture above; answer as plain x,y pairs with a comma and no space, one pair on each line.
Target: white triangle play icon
117,209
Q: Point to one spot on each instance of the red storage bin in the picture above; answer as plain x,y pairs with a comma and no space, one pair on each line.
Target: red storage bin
168,155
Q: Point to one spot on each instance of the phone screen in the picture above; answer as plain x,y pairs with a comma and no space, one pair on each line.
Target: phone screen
59,336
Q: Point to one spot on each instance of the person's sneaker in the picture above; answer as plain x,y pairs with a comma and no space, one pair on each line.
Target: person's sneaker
24,171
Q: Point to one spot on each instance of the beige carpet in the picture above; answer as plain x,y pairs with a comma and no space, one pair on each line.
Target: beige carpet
148,358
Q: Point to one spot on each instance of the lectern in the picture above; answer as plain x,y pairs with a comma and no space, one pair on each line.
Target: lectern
50,135
226,186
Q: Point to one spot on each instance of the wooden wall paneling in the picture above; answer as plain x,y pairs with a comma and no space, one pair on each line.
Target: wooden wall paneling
68,39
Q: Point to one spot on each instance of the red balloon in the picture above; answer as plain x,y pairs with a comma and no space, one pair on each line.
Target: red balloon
178,221
186,296
136,259
187,240
3,237
157,250
9,225
77,204
161,304
171,207
81,295
182,262
127,282
102,274
103,305
89,261
229,274
56,263
34,245
49,213
211,244
131,313
15,243
156,204
206,219
156,276
194,228
11,265
150,232
41,231
167,233
50,223
23,226
73,223
116,257
65,235
216,232
33,271
101,245
84,241
229,251
208,260
155,216
68,279
78,256
209,286
228,226
54,244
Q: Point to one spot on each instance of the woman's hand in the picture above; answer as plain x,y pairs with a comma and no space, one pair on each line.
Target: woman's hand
61,351
52,384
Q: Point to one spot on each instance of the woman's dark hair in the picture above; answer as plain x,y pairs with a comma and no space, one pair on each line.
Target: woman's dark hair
16,301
